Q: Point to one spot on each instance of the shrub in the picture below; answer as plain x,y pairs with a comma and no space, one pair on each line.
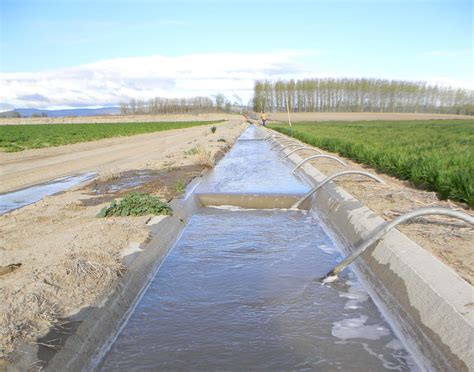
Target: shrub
213,129
136,204
221,140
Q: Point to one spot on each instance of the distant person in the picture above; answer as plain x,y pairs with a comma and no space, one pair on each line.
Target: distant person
246,118
263,117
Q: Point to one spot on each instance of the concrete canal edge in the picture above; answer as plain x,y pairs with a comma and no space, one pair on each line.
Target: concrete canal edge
429,304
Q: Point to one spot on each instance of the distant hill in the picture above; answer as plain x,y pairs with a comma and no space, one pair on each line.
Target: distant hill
27,112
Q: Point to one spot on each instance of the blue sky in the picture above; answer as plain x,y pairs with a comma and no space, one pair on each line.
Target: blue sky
135,45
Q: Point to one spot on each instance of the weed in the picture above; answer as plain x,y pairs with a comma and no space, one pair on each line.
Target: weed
221,140
136,204
179,186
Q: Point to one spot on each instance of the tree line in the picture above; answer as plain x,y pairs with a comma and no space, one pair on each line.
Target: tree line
161,105
361,95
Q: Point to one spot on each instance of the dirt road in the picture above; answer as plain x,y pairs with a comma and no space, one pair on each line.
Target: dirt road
26,168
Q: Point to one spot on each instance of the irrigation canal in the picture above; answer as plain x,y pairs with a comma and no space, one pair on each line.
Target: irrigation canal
239,290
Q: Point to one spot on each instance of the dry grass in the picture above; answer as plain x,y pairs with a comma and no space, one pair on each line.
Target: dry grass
34,313
93,266
204,157
108,174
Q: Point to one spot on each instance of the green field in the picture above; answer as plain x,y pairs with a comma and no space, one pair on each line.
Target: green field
22,137
434,155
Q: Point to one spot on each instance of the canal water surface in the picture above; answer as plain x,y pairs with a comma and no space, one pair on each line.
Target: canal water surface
240,291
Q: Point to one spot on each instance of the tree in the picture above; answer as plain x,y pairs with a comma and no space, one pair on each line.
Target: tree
359,95
124,109
220,101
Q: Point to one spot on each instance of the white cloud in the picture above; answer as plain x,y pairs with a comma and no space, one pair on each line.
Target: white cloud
110,81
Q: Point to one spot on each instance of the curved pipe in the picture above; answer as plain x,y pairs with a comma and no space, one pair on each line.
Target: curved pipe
272,137
384,228
330,178
290,145
282,143
318,156
301,148
271,133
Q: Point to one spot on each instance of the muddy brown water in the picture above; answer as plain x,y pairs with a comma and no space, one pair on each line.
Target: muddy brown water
146,180
240,290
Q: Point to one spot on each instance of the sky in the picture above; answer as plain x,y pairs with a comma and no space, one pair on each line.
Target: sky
91,53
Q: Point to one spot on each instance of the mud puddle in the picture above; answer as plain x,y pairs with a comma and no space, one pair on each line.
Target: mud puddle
168,183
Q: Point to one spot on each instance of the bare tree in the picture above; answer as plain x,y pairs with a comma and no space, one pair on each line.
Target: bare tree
361,95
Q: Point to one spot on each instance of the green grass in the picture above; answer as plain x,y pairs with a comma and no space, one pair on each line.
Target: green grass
434,155
22,137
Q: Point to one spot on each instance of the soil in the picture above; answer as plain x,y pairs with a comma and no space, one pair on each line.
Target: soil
70,260
448,239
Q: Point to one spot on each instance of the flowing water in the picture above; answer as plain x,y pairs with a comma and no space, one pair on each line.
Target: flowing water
251,167
240,291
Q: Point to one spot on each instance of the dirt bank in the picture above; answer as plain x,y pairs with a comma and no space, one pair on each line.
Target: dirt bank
447,239
356,116
69,258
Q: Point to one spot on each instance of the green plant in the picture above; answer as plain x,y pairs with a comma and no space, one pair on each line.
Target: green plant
35,136
437,155
179,186
221,140
135,204
213,129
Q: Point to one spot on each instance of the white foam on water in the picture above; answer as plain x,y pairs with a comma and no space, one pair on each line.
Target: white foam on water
356,328
356,295
394,345
235,208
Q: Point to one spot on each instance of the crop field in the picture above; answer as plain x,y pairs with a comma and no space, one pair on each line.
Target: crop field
22,137
434,155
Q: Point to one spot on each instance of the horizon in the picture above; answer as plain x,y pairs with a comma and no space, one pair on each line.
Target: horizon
107,52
